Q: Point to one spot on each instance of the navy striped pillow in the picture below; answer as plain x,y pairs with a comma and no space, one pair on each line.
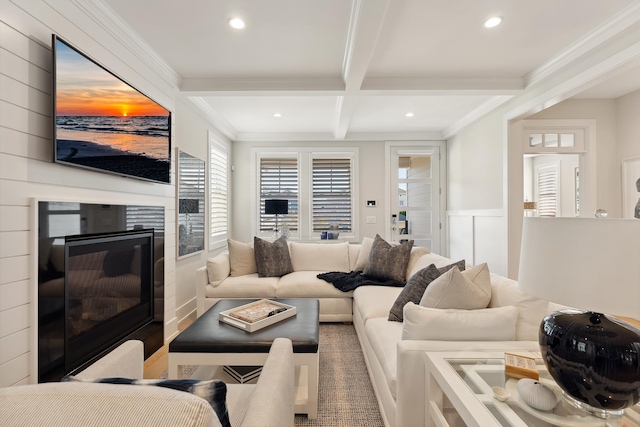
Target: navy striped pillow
213,391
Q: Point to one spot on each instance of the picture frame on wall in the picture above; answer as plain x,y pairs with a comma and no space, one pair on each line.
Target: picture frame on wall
631,188
190,205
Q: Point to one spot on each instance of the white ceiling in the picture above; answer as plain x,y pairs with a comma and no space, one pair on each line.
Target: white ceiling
344,69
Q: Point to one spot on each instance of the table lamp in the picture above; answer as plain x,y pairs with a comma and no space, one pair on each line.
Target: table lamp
276,207
593,265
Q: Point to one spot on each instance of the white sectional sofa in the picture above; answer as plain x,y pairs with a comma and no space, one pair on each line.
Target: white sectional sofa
215,281
394,360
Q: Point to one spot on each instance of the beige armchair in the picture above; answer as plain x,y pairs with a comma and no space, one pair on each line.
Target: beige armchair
269,403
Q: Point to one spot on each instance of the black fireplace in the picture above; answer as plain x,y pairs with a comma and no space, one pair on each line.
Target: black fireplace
96,290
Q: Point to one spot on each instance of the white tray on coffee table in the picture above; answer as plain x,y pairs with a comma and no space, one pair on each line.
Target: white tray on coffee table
257,315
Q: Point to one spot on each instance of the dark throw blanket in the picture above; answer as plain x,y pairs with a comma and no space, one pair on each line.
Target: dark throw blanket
349,281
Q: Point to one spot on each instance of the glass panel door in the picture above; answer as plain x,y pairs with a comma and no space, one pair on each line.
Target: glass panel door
415,200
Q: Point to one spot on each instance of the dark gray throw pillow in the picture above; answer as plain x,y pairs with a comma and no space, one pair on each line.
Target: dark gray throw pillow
272,259
415,287
388,262
213,391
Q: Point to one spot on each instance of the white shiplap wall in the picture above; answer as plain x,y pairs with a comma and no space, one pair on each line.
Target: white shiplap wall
26,170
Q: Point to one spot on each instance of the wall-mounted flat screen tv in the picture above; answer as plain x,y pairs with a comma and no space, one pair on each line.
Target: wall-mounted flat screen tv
103,123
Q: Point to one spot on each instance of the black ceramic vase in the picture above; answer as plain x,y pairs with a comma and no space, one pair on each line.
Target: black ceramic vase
594,358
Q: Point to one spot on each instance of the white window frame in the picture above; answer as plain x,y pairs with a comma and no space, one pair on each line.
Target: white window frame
218,238
305,157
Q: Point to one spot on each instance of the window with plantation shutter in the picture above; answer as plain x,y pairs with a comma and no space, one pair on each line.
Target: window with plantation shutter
548,192
317,182
218,195
279,180
331,193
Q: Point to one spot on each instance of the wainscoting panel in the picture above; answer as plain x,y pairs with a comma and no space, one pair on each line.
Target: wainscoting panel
479,236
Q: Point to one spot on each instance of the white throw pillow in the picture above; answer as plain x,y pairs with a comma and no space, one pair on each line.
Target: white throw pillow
487,324
363,255
242,258
467,290
320,256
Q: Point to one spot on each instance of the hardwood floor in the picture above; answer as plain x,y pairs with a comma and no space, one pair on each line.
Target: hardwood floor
157,363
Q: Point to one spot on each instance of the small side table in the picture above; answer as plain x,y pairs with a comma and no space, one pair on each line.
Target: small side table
459,393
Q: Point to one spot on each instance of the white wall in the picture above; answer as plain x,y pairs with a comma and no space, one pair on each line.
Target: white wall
26,170
476,174
192,135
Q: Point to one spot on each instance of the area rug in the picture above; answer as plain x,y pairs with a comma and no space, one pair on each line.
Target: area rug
345,395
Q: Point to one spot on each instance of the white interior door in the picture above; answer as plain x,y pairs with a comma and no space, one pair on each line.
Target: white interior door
415,196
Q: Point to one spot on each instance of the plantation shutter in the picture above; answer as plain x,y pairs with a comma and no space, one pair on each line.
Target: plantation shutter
218,195
332,194
547,193
279,180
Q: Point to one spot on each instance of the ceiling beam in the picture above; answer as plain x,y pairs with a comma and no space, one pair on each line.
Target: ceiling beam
365,25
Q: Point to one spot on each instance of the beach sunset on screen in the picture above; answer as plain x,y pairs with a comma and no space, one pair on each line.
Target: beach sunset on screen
85,89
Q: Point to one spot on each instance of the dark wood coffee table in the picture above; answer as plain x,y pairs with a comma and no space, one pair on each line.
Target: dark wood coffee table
207,341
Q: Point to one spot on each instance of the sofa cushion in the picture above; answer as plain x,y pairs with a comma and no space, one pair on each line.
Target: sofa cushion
213,391
384,337
415,287
218,268
242,258
374,301
320,256
531,310
363,254
354,251
488,324
469,289
305,284
417,252
272,259
426,260
249,286
388,262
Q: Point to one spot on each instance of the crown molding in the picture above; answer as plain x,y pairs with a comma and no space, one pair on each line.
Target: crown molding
592,40
223,126
104,16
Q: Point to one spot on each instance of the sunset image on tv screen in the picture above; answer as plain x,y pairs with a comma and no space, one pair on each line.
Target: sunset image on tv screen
103,123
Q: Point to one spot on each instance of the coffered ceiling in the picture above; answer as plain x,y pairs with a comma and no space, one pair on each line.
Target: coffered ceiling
347,69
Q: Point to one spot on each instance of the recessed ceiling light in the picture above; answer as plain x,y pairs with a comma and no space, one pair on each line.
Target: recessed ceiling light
277,115
409,114
236,23
493,22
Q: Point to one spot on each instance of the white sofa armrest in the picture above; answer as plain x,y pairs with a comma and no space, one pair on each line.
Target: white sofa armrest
272,403
126,361
202,280
411,388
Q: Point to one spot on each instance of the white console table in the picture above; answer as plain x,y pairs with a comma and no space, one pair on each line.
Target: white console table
459,394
